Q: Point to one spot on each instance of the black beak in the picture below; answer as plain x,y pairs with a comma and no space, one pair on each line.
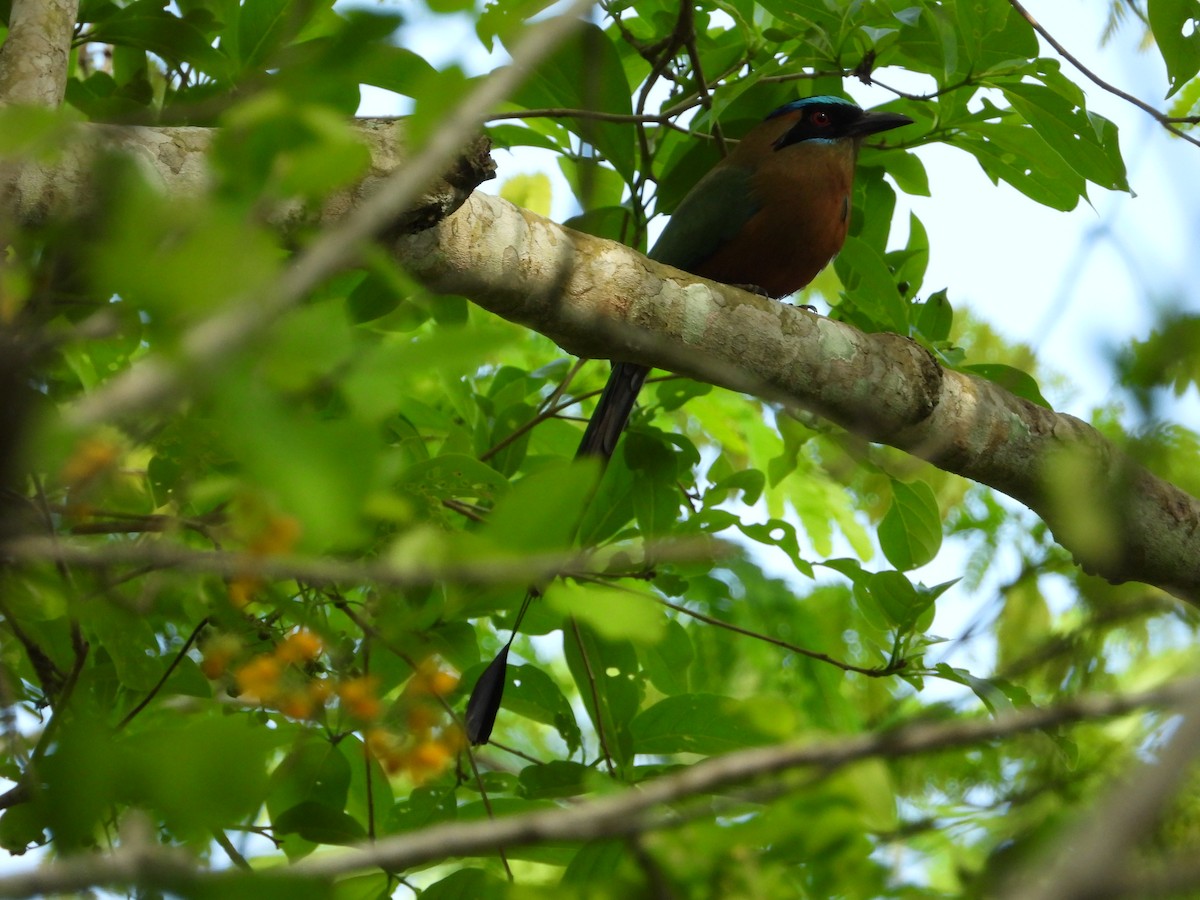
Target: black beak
875,122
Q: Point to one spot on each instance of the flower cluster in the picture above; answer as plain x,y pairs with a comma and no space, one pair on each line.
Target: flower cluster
415,740
427,744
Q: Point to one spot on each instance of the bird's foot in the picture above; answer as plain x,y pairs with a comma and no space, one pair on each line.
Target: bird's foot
752,288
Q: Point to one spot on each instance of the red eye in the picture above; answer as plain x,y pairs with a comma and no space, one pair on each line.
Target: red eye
821,118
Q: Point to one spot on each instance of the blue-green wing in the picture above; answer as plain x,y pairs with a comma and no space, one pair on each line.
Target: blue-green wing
711,214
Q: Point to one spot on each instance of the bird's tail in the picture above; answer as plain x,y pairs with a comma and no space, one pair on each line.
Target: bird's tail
612,412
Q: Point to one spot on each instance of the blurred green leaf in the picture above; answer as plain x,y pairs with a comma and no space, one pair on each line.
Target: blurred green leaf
695,723
911,531
615,614
557,778
319,823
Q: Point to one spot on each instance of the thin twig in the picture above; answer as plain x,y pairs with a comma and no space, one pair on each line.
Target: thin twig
595,692
153,692
1097,80
566,112
879,672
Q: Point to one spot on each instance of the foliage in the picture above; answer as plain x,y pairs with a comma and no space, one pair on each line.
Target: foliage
379,423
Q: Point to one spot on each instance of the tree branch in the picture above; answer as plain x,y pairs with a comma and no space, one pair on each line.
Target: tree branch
34,193
600,299
163,554
630,812
33,59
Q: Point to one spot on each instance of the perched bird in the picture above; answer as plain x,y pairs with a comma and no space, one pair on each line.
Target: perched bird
769,216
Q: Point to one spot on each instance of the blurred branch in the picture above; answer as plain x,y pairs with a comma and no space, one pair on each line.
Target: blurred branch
158,379
1161,118
420,572
33,59
631,812
1090,858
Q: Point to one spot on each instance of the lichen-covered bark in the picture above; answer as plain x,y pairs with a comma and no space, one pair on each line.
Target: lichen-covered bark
596,298
33,60
33,192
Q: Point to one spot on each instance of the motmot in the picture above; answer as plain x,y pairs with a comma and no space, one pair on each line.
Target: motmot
768,217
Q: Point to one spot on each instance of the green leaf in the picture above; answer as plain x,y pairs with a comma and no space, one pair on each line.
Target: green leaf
911,531
21,827
467,884
146,25
307,345
894,596
595,862
453,475
871,288
370,792
934,317
1176,28
612,505
1021,157
750,482
615,614
987,690
321,824
610,674
655,488
557,778
539,513
532,693
373,298
262,25
531,192
777,533
585,72
1016,382
393,69
667,661
125,636
314,771
319,470
610,222
1086,141
423,806
202,773
373,386
376,886
695,723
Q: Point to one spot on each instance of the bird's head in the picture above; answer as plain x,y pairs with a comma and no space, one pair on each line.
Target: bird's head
828,119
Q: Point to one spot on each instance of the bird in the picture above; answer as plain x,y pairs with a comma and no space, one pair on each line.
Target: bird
768,217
